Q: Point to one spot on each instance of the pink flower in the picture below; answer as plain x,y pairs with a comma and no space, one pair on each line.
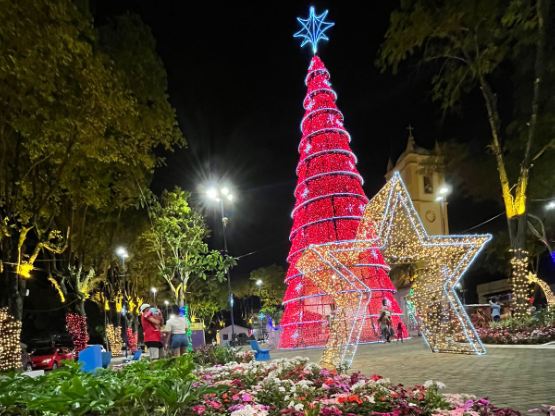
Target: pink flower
199,409
246,398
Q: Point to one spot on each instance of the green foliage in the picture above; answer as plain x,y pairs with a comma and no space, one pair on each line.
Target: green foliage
176,242
210,355
272,288
143,388
541,318
81,120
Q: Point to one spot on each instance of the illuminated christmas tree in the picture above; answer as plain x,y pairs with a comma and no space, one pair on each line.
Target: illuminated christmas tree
329,205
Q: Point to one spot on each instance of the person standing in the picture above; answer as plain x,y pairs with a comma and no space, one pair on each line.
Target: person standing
495,310
151,329
384,326
177,328
400,332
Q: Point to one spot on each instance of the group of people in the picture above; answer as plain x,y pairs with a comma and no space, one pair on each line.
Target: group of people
386,327
159,335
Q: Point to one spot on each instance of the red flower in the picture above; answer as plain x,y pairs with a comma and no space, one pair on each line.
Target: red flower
376,377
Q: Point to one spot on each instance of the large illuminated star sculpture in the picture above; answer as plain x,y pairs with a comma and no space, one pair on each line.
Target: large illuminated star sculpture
313,29
392,225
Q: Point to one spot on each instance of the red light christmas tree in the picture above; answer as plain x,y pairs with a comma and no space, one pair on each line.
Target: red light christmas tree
329,205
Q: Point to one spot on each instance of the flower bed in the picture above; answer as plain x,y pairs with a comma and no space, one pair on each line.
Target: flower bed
298,388
517,335
538,329
174,387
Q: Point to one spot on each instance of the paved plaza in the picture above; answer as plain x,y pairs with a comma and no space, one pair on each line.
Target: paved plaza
516,377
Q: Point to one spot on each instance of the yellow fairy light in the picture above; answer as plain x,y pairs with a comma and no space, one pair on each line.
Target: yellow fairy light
10,348
549,296
115,340
392,225
58,289
24,270
119,302
106,305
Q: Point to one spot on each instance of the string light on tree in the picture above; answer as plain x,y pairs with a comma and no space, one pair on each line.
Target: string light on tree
10,348
113,333
77,328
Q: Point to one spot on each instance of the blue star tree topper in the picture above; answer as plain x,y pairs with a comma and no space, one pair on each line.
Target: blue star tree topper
313,29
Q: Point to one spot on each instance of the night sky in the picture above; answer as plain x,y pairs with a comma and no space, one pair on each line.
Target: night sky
235,77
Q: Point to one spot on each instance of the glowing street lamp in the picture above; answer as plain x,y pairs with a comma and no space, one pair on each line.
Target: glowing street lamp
154,290
550,205
259,284
443,192
166,302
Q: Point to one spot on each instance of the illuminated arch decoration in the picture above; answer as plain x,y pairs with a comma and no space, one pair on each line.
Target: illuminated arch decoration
549,296
402,238
391,225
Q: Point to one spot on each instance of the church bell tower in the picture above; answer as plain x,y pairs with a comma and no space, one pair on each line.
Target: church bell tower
423,176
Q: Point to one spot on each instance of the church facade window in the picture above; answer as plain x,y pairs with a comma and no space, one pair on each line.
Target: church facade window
428,185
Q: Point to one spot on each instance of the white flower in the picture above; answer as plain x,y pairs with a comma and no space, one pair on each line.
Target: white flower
286,397
430,383
358,384
281,388
370,399
298,407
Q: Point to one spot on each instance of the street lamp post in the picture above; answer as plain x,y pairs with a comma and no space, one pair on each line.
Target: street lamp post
153,290
220,196
443,192
166,302
122,253
259,283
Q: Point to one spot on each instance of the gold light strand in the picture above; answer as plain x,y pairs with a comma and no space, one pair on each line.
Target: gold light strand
549,296
114,339
402,238
58,289
519,282
10,348
119,302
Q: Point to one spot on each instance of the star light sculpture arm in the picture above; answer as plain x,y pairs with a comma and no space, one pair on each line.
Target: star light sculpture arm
328,267
402,238
313,29
392,225
549,296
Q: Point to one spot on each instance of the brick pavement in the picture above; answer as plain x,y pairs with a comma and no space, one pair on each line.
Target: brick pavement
520,378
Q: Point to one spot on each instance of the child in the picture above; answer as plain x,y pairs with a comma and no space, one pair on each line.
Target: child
400,332
156,314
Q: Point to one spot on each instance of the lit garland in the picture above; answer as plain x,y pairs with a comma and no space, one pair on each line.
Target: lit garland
24,269
328,267
519,282
58,289
392,226
10,348
77,327
114,339
329,206
402,238
549,296
184,311
132,340
119,302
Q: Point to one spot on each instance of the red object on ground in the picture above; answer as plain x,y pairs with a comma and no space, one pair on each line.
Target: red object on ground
329,205
77,328
50,358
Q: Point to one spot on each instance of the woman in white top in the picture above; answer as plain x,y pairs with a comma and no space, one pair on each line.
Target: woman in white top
176,328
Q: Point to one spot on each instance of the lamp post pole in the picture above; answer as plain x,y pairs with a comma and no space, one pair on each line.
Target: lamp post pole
224,226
